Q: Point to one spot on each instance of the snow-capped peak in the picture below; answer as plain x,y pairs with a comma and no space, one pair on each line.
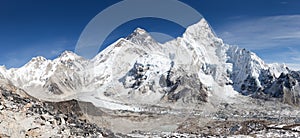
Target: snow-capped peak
199,56
200,30
38,59
141,37
3,67
139,31
2,70
277,69
68,55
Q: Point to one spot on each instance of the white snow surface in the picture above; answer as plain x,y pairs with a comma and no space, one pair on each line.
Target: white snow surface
199,51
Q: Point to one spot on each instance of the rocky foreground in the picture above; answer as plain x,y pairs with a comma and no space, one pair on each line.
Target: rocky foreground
25,116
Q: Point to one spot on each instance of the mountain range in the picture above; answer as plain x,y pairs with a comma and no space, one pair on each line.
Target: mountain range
139,74
141,66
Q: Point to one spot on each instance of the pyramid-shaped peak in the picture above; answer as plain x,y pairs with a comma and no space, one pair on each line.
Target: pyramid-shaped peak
141,37
67,53
36,61
140,31
203,22
200,29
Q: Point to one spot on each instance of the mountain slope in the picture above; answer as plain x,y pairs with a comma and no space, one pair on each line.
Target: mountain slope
194,68
44,78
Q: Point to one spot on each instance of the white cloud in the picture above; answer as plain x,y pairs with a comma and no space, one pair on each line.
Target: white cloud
263,33
275,38
293,56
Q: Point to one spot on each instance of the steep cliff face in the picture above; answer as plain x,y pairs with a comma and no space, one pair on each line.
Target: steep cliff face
286,87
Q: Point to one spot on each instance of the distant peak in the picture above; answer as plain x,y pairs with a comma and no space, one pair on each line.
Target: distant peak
38,58
35,61
3,67
139,31
141,37
68,55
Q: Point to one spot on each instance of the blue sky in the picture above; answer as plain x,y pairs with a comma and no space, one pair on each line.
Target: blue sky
28,28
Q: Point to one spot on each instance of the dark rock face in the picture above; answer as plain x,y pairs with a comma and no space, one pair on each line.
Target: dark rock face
53,88
266,78
286,87
259,80
174,84
187,88
65,107
249,86
137,73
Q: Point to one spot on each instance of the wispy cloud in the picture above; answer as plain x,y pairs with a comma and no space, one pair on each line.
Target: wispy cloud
293,66
284,2
263,33
289,56
294,54
275,38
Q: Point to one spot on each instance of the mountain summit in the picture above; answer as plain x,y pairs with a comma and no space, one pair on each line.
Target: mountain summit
194,68
141,37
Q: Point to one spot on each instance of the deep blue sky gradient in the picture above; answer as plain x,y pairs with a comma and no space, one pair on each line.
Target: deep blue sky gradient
46,28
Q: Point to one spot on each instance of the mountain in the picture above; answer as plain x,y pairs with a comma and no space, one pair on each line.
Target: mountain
44,78
137,80
194,65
